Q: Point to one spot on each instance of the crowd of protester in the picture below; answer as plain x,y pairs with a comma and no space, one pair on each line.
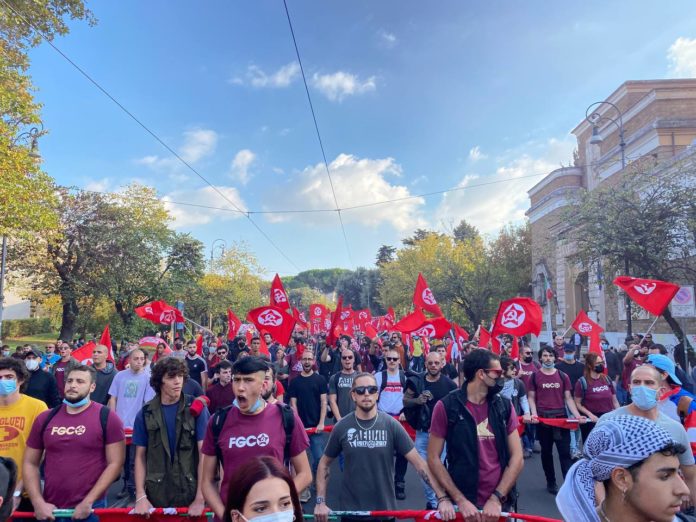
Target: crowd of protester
259,424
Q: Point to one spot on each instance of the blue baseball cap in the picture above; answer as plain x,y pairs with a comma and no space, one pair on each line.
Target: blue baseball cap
664,364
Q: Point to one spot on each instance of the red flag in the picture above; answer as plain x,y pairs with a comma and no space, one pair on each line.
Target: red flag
199,344
106,341
651,294
586,326
423,297
518,316
300,318
389,319
595,347
274,320
279,297
436,327
362,318
515,349
84,353
484,338
461,333
233,324
160,312
410,322
370,331
263,347
331,338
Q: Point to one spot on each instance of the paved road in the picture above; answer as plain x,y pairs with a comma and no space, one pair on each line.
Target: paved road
532,487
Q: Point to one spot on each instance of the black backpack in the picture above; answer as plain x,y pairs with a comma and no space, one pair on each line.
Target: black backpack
583,384
286,412
418,417
402,378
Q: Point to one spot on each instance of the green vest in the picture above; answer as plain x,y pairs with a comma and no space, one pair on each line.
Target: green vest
170,482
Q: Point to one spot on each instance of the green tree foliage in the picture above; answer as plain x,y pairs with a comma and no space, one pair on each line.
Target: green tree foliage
324,280
645,220
385,254
465,231
359,289
26,193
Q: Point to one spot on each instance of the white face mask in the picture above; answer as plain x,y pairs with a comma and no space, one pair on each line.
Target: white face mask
32,364
278,516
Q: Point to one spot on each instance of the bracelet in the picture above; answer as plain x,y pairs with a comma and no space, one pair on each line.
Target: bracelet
139,499
442,498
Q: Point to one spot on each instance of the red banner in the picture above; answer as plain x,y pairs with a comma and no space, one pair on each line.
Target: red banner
279,297
273,320
233,324
586,326
651,294
430,328
160,312
518,316
423,297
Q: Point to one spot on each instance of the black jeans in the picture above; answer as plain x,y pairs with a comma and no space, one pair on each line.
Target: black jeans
400,465
548,436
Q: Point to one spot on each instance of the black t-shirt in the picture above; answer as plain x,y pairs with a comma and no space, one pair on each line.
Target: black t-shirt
196,366
573,371
450,371
439,389
308,391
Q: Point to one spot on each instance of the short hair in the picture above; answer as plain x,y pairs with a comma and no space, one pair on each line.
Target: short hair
478,359
507,362
17,366
169,366
360,376
249,365
223,365
649,367
661,348
137,350
546,348
81,368
8,481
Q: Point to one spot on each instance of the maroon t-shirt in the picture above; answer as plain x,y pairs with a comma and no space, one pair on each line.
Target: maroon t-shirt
489,462
74,451
219,396
526,371
598,395
59,374
246,436
550,390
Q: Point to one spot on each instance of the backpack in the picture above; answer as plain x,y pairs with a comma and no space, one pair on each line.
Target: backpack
418,417
402,379
286,412
103,418
583,384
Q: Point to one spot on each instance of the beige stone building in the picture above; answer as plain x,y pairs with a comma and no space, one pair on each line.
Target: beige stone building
659,122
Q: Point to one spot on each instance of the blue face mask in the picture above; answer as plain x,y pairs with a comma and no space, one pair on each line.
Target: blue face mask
256,407
605,346
548,365
568,357
7,386
278,516
78,404
643,397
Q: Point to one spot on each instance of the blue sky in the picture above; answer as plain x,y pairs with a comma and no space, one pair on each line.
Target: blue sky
411,97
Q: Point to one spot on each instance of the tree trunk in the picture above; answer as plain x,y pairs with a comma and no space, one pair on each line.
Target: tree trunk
126,316
679,333
71,311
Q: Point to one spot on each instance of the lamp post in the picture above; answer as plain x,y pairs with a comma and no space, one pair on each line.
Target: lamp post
32,137
212,249
594,118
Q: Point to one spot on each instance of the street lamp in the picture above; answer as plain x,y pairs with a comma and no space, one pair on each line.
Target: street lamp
212,249
32,138
594,118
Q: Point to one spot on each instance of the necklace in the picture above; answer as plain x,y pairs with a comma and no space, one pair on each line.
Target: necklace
602,513
371,425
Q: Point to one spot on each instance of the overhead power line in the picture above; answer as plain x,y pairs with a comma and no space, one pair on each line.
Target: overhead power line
149,131
316,128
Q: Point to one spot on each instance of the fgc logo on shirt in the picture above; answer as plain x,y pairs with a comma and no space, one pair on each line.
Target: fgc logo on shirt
548,385
70,430
260,440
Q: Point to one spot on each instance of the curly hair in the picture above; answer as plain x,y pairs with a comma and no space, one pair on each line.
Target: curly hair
169,366
15,365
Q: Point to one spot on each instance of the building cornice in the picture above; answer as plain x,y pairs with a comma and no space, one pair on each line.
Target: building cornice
556,174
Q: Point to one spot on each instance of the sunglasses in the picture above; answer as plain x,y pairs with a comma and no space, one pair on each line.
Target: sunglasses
362,390
497,373
392,359
349,358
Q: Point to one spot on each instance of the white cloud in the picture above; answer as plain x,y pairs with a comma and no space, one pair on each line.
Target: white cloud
187,217
241,163
357,182
488,206
98,185
257,77
340,84
387,38
475,154
196,145
682,58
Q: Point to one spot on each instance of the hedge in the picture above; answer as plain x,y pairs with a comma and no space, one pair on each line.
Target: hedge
25,327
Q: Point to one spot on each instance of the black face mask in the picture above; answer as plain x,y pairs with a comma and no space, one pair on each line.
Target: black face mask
497,387
527,359
599,368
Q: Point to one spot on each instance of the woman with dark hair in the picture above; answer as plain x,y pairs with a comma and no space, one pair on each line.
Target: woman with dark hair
262,490
594,392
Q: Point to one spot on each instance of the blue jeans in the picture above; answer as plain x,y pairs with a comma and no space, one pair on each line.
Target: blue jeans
92,518
422,438
573,435
528,436
621,394
317,443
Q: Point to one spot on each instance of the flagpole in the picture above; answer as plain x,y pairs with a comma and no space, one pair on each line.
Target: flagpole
567,330
199,326
652,325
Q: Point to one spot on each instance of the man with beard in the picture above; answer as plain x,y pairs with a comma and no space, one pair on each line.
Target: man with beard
368,438
250,428
422,393
340,385
484,453
307,394
83,447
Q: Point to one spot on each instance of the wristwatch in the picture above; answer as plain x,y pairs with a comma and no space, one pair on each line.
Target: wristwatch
17,493
319,500
502,498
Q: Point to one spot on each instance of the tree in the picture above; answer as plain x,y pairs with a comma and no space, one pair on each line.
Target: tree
324,280
419,235
465,231
385,254
359,289
26,194
643,222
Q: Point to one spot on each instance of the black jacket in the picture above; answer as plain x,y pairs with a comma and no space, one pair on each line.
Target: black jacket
42,385
104,378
